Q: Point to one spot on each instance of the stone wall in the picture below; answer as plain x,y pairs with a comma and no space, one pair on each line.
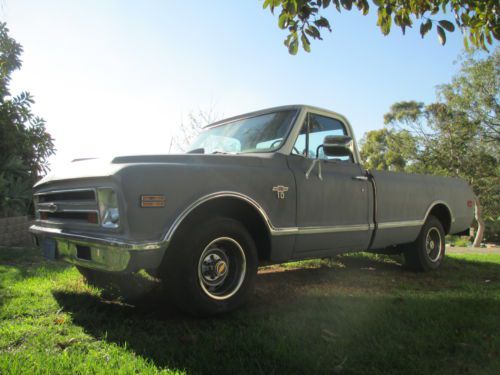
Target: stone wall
14,231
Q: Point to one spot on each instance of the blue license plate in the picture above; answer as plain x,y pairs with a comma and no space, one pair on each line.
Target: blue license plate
49,248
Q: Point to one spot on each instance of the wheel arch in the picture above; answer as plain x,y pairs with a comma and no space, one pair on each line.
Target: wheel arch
443,213
230,204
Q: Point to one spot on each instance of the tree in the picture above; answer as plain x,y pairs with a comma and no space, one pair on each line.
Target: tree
189,130
455,136
25,144
479,20
387,149
475,95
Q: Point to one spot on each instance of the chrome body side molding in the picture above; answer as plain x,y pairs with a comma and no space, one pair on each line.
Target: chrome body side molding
400,224
274,231
283,231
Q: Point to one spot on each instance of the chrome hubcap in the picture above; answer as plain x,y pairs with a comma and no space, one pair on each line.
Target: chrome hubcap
214,267
433,244
222,268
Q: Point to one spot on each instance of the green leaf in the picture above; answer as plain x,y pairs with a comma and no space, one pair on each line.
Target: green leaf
466,43
291,6
488,37
441,35
313,31
447,25
266,4
294,46
282,20
365,8
305,43
386,25
496,32
337,5
347,4
323,22
425,27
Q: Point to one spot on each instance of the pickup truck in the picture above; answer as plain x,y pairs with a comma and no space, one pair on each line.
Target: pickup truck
271,186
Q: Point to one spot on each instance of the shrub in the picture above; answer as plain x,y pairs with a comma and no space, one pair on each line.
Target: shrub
25,145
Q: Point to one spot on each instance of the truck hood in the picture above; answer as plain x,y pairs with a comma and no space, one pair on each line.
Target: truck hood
83,168
92,168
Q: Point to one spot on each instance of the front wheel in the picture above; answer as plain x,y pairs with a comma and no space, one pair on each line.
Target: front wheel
427,252
211,268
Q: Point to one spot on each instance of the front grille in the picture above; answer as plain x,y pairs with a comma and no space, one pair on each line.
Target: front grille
72,206
89,217
69,195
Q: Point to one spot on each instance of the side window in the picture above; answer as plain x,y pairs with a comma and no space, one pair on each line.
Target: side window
312,134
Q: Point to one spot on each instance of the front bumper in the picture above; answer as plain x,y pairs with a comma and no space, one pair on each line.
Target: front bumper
102,253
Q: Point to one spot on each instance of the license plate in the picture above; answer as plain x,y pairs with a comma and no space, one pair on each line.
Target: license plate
49,248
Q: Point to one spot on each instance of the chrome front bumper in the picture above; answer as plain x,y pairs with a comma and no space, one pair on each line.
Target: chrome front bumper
102,253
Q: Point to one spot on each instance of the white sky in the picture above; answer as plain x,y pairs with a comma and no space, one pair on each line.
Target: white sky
117,77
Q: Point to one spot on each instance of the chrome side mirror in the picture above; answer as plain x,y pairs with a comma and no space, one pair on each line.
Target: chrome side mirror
333,145
336,145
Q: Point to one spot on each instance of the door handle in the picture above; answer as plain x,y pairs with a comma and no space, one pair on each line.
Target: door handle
360,178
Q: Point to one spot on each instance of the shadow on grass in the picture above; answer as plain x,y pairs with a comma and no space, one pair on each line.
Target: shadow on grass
320,320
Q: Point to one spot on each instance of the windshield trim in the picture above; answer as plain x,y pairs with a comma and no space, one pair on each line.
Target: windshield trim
291,125
252,114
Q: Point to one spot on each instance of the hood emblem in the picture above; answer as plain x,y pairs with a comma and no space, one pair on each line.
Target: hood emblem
280,191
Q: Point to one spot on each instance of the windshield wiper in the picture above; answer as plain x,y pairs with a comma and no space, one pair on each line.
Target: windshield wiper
223,152
200,150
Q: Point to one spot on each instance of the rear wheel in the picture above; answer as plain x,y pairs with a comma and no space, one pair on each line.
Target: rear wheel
212,268
427,252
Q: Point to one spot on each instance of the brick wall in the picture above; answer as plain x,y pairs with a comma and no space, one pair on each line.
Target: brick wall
14,231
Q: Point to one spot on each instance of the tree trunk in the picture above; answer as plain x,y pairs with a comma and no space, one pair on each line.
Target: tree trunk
480,225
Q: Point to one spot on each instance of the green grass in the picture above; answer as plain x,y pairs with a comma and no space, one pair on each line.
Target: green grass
355,314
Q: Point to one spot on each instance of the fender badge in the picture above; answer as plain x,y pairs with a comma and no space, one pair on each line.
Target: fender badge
153,201
280,191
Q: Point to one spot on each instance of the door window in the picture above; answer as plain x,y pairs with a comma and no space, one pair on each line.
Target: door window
312,134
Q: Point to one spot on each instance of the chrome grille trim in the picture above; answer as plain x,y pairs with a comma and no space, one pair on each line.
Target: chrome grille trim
47,194
66,201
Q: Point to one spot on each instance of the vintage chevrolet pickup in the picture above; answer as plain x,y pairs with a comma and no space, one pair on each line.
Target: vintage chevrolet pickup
275,185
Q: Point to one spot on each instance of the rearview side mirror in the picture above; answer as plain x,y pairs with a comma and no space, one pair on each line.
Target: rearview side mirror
337,145
333,145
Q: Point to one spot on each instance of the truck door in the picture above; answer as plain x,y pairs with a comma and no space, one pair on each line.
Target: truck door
333,206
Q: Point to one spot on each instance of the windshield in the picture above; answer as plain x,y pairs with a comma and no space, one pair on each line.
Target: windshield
264,133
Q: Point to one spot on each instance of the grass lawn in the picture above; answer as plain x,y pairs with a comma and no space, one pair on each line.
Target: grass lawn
355,314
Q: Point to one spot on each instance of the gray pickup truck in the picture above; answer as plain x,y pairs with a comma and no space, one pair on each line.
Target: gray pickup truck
271,186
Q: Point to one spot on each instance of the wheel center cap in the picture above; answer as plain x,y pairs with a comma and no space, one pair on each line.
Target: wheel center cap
221,268
431,244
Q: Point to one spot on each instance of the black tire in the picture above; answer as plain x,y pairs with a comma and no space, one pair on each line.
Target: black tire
210,268
427,252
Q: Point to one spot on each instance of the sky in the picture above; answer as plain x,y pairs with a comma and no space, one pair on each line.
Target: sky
117,77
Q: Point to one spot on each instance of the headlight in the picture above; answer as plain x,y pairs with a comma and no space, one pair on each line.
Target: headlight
108,208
